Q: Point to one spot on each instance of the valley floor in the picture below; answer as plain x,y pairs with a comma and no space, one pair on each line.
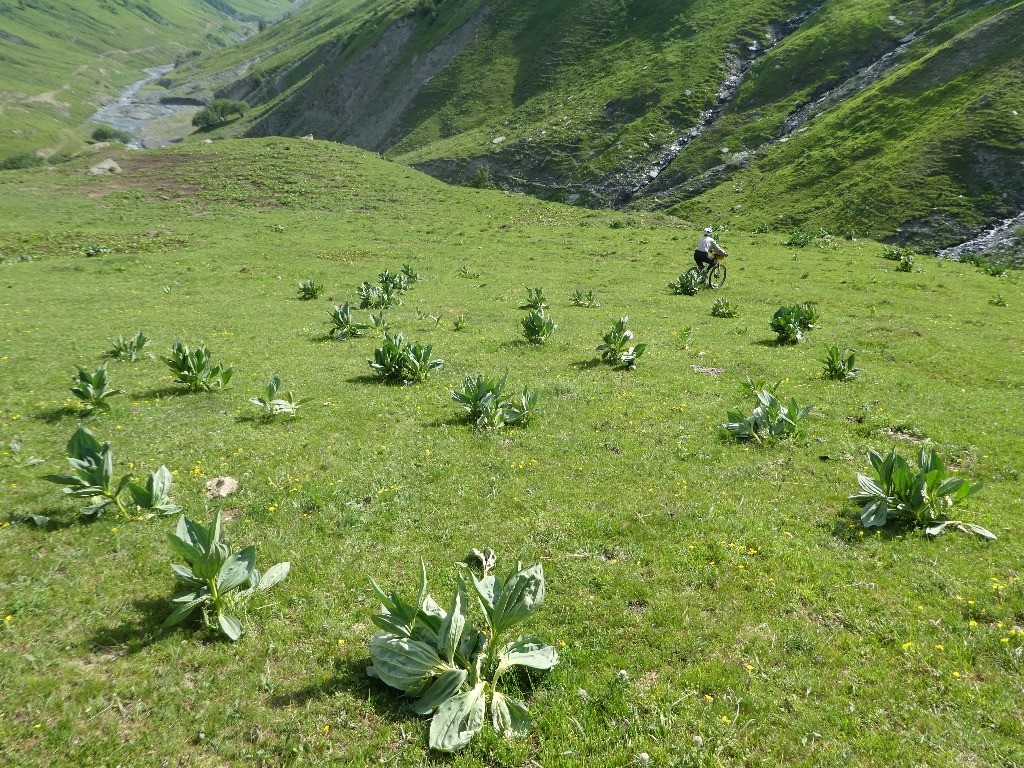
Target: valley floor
713,602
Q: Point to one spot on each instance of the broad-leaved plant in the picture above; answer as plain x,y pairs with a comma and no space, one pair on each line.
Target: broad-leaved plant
770,420
919,496
91,388
617,347
343,326
214,579
196,369
450,666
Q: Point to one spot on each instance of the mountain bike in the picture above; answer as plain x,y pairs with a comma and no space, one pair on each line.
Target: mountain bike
712,275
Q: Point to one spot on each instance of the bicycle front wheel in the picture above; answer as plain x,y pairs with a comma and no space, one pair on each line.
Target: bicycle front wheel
716,277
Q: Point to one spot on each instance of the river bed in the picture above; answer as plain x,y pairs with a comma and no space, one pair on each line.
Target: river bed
150,122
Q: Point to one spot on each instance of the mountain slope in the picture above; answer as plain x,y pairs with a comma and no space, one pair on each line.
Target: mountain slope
616,102
60,59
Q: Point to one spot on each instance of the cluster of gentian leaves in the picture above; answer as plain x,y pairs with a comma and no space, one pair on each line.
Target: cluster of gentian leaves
451,667
918,497
792,323
274,402
195,368
93,479
491,405
617,347
216,580
91,388
770,420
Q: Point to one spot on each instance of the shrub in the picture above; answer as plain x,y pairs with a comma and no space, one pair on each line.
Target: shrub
616,347
459,323
538,326
342,324
838,367
219,111
535,299
195,369
310,289
215,580
398,361
687,284
906,263
273,402
128,349
919,498
109,133
490,405
998,301
20,161
724,308
451,667
770,420
580,299
410,274
91,389
792,323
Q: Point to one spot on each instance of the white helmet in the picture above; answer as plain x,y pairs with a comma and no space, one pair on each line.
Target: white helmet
707,230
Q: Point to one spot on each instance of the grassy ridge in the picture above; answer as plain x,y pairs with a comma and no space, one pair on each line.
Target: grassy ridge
755,623
59,58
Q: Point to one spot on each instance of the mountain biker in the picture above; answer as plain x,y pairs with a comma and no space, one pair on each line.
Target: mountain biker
705,245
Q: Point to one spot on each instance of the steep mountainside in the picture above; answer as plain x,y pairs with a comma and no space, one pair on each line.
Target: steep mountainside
61,59
884,117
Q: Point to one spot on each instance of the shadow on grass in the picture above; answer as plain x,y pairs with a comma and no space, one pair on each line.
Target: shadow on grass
52,518
462,419
586,365
848,528
136,634
519,344
263,420
370,378
772,343
57,414
349,675
161,392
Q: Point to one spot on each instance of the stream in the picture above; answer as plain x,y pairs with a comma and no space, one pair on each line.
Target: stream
1001,236
150,122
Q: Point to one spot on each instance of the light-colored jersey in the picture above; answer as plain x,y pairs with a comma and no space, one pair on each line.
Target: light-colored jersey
708,244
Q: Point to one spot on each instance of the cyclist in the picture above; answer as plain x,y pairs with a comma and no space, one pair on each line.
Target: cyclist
704,247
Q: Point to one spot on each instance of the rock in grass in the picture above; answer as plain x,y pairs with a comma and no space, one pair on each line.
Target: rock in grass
219,487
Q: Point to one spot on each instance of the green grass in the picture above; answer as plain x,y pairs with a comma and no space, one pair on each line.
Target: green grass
756,622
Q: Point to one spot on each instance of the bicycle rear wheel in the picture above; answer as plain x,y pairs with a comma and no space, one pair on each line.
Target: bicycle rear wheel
716,277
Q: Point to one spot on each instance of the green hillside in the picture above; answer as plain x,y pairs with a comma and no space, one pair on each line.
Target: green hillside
888,111
714,602
61,59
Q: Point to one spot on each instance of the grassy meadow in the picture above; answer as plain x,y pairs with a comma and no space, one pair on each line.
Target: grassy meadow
713,602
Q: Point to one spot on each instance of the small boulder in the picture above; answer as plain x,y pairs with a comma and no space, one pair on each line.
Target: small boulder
105,167
219,487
